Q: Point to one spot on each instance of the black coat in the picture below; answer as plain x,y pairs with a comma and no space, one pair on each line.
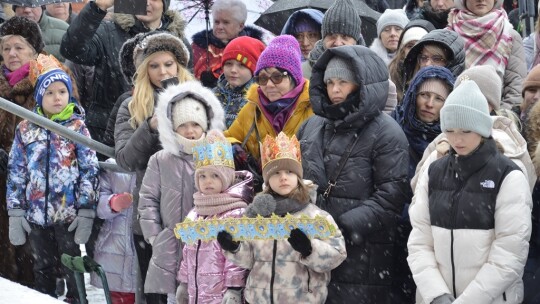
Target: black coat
92,41
371,188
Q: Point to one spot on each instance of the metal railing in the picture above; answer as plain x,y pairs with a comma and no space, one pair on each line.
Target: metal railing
63,131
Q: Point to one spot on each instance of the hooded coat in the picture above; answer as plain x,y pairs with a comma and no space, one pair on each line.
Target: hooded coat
449,40
371,188
166,194
91,41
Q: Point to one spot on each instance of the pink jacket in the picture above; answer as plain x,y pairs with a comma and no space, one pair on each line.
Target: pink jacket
205,269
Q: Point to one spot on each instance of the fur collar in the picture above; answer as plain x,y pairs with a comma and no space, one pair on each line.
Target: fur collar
172,21
194,89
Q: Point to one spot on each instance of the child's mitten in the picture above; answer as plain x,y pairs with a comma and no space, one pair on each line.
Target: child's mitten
119,202
233,295
226,242
300,242
182,295
17,226
83,223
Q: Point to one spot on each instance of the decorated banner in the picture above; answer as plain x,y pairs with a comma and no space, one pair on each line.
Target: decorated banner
259,228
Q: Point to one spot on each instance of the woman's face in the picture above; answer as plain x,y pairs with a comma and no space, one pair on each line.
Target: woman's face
428,57
307,41
335,40
161,66
16,52
154,11
428,106
226,27
480,7
236,73
463,141
339,89
390,37
530,97
407,47
274,84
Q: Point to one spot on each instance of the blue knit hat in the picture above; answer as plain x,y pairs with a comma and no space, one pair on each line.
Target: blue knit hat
46,79
283,52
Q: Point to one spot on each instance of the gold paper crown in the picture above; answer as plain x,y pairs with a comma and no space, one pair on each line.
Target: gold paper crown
41,65
280,147
213,151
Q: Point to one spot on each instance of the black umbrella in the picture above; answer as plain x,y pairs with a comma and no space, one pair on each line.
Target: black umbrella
275,17
36,3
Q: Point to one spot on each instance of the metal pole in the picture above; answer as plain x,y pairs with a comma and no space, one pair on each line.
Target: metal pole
55,127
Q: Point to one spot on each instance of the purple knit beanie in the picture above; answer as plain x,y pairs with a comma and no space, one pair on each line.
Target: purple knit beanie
283,52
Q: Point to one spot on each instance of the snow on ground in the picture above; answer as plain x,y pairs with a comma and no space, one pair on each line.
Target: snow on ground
14,293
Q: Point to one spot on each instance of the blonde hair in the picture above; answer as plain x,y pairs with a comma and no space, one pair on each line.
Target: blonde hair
300,193
141,106
7,37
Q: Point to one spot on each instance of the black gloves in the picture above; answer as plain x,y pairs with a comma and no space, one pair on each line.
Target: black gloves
300,242
208,80
225,240
3,162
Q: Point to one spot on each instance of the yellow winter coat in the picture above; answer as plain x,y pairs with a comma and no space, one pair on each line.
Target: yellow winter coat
252,109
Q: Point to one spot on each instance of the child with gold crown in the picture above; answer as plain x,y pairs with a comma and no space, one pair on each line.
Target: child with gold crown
52,184
205,275
296,270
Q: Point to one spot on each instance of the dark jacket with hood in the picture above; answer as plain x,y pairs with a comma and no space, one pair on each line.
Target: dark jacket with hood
438,19
92,41
449,40
420,134
370,190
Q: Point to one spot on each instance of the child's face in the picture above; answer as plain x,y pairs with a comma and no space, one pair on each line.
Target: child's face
236,73
283,182
209,182
190,130
55,98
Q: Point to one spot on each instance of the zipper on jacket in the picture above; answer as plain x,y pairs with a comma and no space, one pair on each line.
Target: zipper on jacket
47,176
308,279
197,271
504,296
455,203
272,277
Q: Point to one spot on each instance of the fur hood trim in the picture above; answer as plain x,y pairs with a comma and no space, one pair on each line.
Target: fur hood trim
176,24
175,93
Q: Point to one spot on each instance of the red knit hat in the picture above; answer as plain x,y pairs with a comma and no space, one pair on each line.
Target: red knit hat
245,50
532,80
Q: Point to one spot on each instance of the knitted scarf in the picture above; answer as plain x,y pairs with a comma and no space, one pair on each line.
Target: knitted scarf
213,204
487,39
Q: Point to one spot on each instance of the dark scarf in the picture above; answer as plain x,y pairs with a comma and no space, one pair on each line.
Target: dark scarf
341,110
438,19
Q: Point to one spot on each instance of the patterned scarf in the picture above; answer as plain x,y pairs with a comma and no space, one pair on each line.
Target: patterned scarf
487,38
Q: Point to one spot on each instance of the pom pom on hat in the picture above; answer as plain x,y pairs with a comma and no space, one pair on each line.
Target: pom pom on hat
245,50
283,52
466,108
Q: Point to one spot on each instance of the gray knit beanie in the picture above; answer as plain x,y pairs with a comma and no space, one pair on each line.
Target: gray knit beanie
340,68
395,17
342,18
466,108
488,81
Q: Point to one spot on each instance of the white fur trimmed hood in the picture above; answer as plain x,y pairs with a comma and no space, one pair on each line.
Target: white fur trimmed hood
175,93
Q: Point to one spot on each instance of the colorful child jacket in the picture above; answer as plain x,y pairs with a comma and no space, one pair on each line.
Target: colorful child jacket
51,177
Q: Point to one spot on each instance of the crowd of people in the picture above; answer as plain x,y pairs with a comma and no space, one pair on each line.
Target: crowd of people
420,151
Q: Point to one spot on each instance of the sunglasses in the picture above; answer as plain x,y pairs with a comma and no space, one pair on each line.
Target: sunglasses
276,78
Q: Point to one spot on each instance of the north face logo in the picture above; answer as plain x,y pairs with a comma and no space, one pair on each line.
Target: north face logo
488,184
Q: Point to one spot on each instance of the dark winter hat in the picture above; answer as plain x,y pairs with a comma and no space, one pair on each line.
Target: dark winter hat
342,18
467,108
283,52
161,42
166,4
532,80
46,79
245,50
339,67
25,28
127,63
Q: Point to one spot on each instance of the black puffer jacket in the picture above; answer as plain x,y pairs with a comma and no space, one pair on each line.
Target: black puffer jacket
449,40
93,41
371,188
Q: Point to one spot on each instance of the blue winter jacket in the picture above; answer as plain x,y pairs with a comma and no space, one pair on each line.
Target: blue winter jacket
51,177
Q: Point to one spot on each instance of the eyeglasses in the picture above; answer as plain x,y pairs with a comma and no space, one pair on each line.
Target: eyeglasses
435,59
276,78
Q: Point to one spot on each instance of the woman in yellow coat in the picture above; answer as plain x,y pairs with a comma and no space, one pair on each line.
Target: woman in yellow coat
278,102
